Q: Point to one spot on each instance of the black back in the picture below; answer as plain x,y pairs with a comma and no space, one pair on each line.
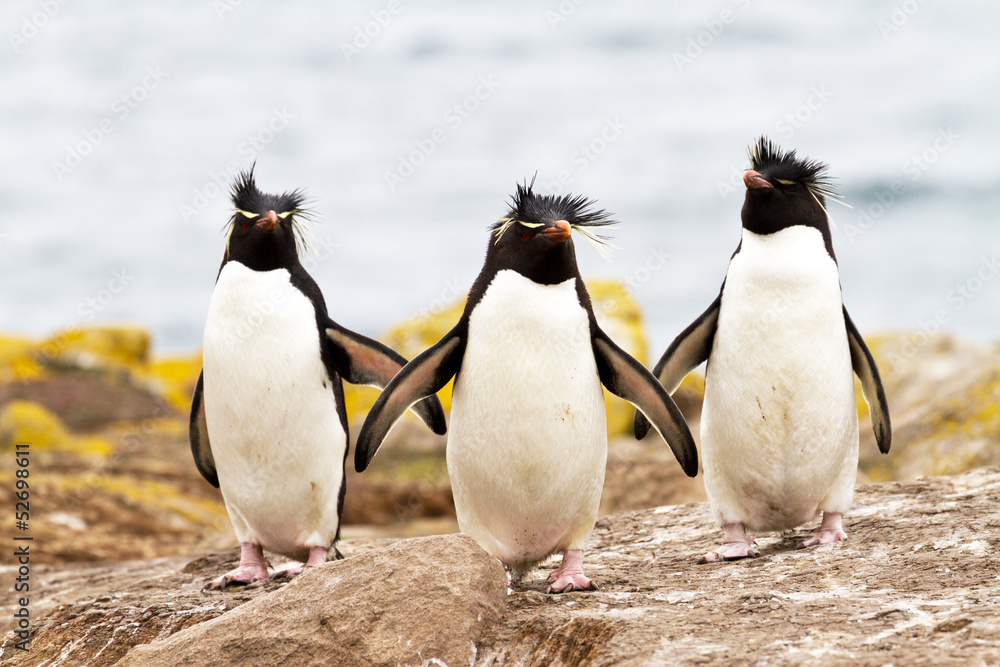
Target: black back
796,196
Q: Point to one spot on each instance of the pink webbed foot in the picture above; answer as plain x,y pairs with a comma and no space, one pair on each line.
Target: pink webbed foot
317,556
253,567
830,530
569,576
736,545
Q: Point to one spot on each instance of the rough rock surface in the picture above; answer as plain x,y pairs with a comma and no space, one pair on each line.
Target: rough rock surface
944,398
917,583
416,601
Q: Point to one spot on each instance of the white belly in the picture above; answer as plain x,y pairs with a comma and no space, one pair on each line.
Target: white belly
780,426
527,442
276,437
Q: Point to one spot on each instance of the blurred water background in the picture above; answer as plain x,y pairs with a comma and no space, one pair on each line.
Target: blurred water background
410,123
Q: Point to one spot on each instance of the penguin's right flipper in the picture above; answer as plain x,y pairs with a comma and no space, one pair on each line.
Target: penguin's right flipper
691,347
871,385
198,432
426,374
627,378
361,360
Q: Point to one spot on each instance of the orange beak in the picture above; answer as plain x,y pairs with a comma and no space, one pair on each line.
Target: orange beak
559,232
754,181
269,221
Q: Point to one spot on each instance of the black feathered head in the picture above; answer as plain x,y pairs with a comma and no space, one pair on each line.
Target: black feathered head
786,169
266,231
534,237
784,190
530,213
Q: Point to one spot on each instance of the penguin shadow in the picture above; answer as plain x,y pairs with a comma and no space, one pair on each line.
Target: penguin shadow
789,541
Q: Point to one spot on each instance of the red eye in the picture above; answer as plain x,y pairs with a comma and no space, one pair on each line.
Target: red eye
525,236
246,225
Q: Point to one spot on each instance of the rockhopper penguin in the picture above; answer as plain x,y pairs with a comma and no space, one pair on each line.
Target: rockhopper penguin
528,442
779,427
268,424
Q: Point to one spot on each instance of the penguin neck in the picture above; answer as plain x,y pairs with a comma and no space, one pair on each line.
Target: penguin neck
264,257
552,268
763,225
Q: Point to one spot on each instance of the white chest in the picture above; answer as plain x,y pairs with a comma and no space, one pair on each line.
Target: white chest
272,419
528,441
779,425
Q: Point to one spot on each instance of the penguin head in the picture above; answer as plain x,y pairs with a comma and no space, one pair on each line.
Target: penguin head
265,230
534,238
784,190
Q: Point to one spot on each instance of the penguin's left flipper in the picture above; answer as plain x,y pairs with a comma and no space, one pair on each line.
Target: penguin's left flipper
426,374
627,378
871,385
691,347
198,433
361,360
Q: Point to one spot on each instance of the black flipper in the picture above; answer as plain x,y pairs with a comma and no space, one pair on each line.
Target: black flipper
691,347
361,360
426,374
198,433
627,378
871,385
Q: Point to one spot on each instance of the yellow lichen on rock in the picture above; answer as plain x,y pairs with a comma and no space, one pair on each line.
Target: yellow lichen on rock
944,401
174,378
17,359
619,316
30,423
100,347
151,495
